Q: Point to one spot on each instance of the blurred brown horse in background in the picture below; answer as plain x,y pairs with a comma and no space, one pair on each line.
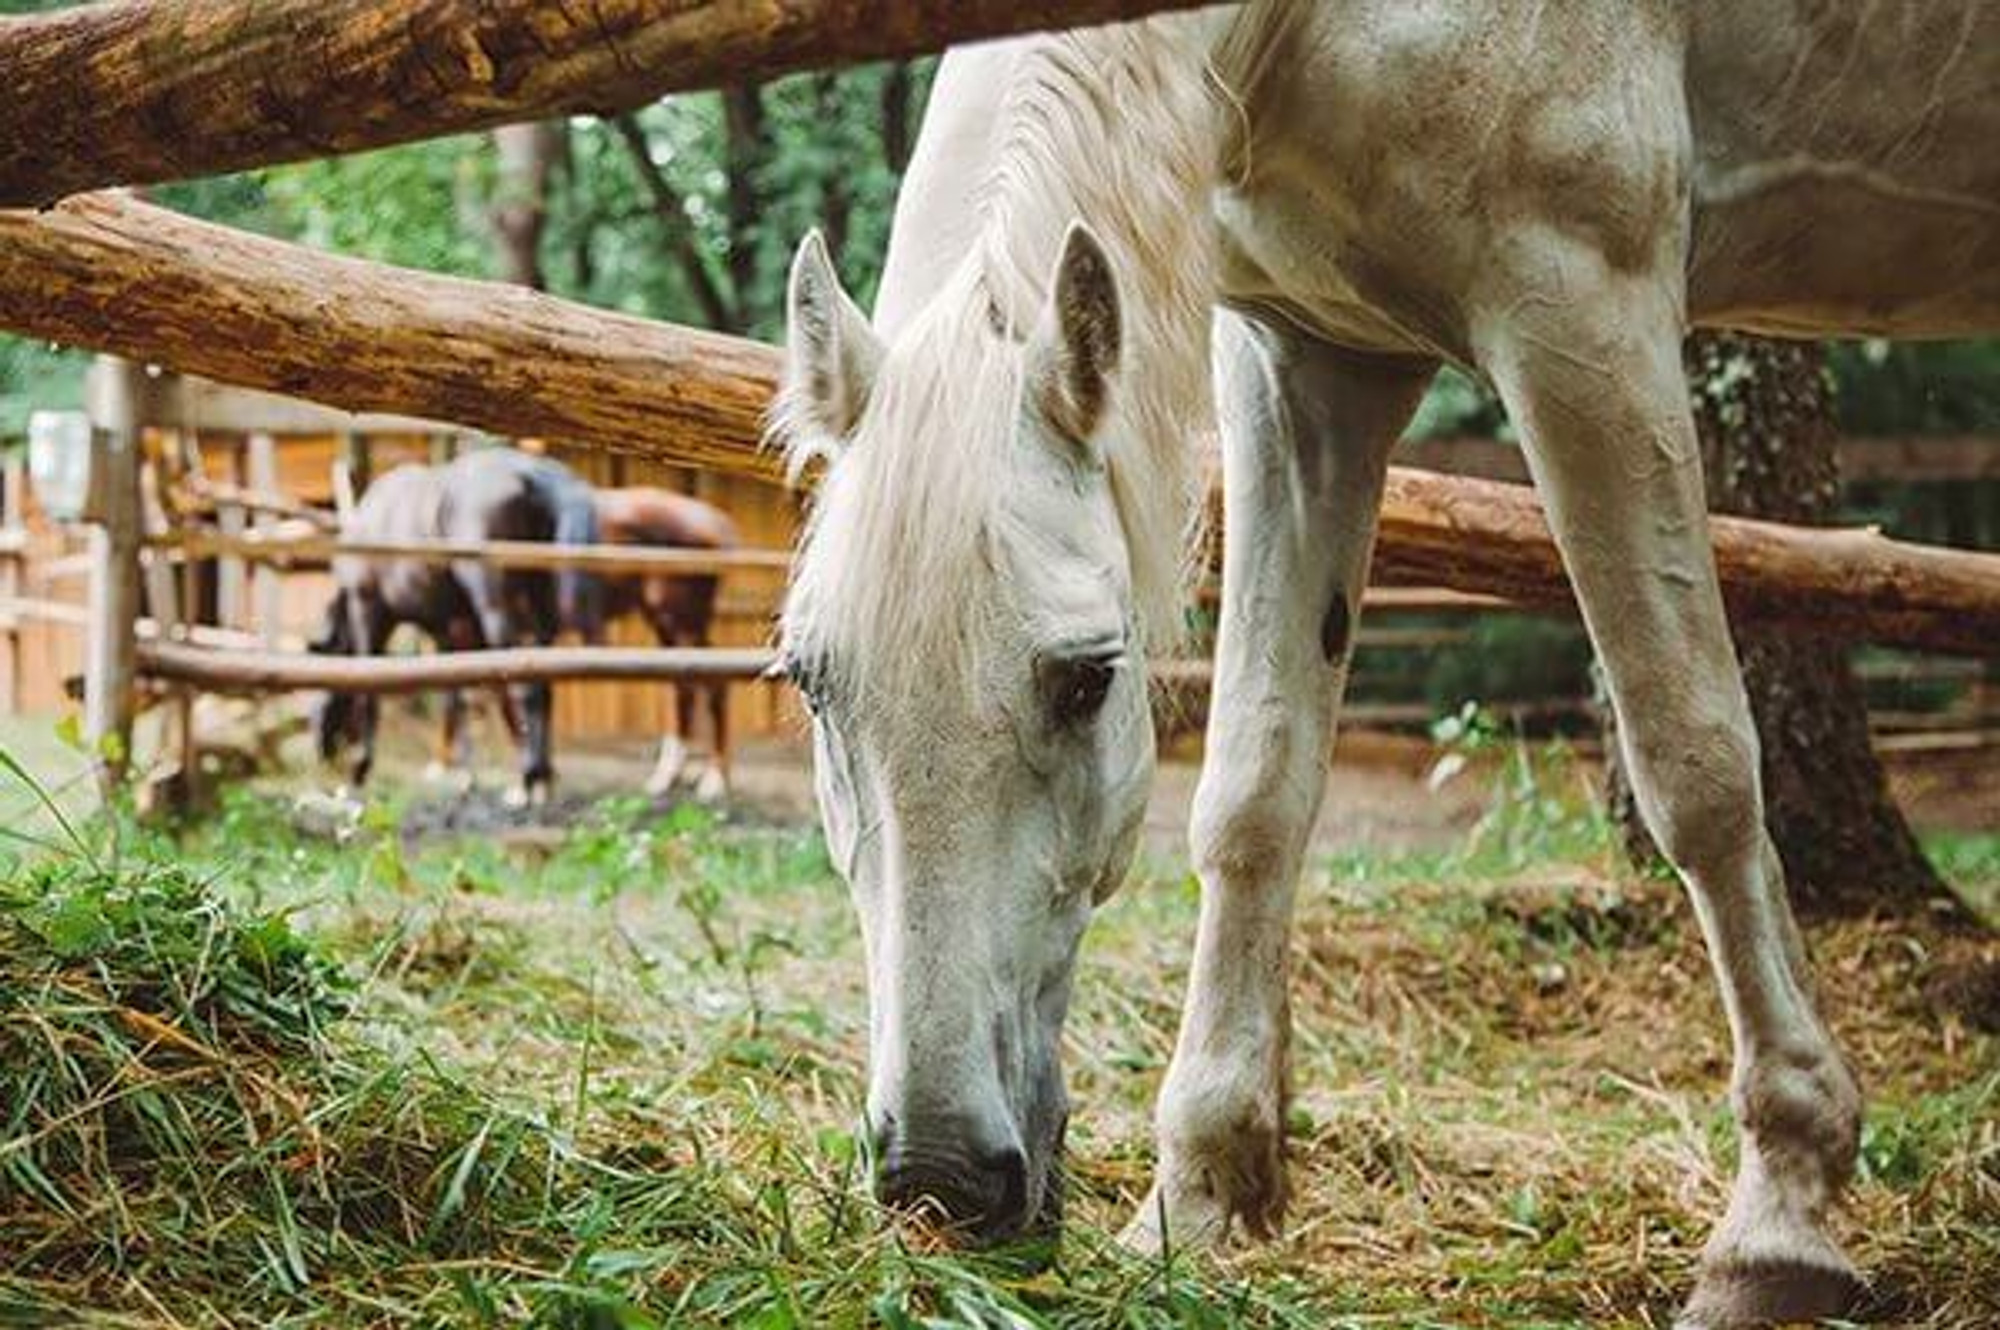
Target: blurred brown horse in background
679,607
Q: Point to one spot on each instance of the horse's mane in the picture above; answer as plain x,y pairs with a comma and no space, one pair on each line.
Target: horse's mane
1112,125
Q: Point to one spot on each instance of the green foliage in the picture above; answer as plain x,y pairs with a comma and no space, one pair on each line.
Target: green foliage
36,377
1918,387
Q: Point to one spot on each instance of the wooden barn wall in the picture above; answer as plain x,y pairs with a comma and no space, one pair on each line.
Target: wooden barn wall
50,652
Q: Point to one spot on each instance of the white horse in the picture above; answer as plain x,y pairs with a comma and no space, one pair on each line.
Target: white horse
1548,195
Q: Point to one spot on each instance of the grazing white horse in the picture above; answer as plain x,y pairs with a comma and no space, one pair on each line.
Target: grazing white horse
1548,195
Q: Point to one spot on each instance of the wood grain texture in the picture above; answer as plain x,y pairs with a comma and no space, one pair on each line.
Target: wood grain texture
1485,536
110,273
141,91
106,272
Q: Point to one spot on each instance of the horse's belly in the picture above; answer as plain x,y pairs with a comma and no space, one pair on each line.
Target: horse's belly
1817,261
1846,178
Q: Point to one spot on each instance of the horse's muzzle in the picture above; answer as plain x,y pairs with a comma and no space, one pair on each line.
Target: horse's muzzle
982,1196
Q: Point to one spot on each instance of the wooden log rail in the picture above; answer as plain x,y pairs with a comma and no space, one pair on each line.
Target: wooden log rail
108,272
1845,582
198,494
285,549
117,275
144,91
281,671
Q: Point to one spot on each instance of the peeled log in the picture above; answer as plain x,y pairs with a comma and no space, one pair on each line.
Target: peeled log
255,672
1483,535
152,90
106,271
119,276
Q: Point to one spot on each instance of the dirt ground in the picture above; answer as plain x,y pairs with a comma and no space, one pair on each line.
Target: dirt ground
1381,795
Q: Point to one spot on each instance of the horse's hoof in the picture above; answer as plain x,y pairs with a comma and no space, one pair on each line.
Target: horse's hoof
517,798
1160,1226
1735,1293
712,788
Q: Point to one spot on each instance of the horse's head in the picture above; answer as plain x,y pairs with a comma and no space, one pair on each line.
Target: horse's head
962,624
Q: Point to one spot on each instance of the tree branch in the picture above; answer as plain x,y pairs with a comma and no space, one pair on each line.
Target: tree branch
676,227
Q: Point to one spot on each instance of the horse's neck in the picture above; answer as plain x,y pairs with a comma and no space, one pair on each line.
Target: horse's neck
1114,126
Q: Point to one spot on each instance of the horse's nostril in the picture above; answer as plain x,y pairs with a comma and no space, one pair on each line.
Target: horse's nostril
1010,1169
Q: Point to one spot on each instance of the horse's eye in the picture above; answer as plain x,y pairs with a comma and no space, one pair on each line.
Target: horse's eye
803,675
1074,688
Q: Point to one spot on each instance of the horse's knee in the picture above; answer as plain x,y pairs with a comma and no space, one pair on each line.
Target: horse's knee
1248,824
1698,786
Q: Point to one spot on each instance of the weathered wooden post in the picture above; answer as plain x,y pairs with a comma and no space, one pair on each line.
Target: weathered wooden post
110,680
266,599
232,603
173,595
13,548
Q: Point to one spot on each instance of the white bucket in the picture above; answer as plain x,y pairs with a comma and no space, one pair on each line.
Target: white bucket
59,462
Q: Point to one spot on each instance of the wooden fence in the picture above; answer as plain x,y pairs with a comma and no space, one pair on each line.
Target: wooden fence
89,272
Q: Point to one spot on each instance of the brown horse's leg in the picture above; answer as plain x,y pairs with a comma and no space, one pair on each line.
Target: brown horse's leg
1594,381
673,759
715,781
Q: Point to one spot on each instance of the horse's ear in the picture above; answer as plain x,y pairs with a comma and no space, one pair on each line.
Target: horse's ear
831,354
1076,348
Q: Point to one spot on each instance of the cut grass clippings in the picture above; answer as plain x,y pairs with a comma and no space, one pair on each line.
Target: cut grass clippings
252,1077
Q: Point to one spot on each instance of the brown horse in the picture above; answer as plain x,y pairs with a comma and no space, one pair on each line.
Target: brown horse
678,606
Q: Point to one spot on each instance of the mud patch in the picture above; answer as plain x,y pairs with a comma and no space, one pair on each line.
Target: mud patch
482,812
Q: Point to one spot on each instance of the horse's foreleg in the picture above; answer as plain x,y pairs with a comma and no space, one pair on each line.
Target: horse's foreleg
453,757
673,759
533,701
1306,435
538,772
1594,381
715,782
368,627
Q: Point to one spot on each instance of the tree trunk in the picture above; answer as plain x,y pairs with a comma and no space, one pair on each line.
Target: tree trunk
117,275
896,127
746,150
836,203
1764,410
154,90
677,231
520,209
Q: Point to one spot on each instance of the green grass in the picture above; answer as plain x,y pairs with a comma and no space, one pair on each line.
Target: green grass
253,1076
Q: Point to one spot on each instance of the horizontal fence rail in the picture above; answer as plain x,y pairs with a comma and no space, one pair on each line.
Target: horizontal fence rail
257,547
144,91
237,671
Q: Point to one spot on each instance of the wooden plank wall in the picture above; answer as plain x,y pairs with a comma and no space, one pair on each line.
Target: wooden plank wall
50,652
